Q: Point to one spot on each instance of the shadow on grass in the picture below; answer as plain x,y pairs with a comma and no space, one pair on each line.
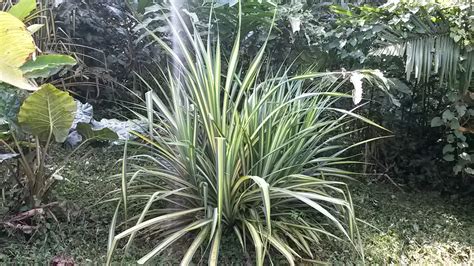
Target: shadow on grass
414,227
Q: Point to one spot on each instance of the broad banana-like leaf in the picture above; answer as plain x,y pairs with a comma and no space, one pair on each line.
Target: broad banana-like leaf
16,47
103,134
48,111
46,65
23,8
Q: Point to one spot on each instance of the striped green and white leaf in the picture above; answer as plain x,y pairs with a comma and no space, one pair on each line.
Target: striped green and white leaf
238,147
45,66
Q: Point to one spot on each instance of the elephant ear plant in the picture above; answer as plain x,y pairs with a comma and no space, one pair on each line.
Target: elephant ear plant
234,151
44,117
29,123
47,114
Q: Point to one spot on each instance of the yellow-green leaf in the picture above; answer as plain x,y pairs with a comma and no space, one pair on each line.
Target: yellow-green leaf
23,8
16,47
14,77
103,134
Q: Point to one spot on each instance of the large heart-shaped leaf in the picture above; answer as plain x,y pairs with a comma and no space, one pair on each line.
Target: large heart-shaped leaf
16,43
16,47
46,65
47,112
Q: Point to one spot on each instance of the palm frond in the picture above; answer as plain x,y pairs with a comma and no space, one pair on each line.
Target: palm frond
428,50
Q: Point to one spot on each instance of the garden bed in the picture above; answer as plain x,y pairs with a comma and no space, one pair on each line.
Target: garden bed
420,227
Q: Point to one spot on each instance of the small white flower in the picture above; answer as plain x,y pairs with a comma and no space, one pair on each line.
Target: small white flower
356,80
295,23
58,177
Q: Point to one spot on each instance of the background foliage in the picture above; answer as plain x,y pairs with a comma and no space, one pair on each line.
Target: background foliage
387,37
424,49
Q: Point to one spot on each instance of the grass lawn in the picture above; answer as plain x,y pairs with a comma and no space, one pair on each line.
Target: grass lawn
416,227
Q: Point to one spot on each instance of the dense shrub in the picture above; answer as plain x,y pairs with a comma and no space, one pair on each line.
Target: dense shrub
435,43
102,33
426,47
